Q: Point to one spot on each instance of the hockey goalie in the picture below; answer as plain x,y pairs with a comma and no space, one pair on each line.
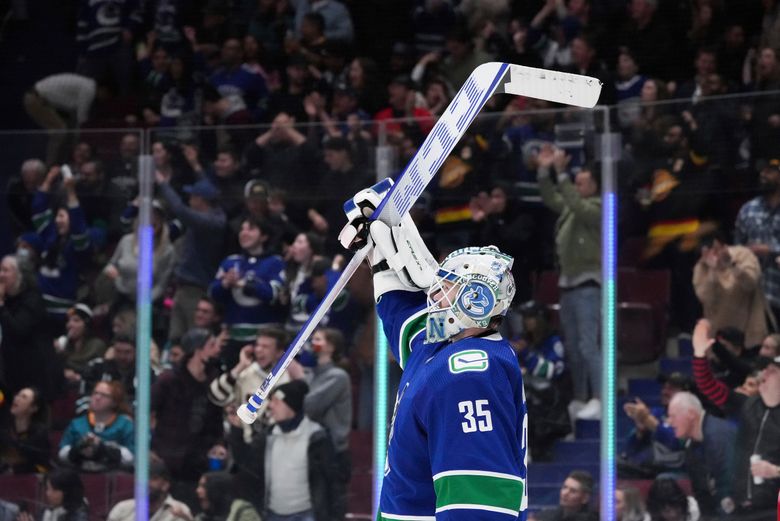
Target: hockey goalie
457,442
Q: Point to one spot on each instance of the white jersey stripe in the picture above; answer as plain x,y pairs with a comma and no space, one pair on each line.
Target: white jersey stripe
477,473
408,518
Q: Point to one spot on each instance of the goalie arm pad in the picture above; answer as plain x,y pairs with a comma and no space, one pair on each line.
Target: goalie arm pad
400,260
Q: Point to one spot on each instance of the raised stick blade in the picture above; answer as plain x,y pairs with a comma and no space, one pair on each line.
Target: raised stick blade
558,87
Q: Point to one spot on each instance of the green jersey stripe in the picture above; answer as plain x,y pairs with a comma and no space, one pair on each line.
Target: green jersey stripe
411,327
479,488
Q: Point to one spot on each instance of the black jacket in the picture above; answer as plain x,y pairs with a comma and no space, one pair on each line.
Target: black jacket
26,348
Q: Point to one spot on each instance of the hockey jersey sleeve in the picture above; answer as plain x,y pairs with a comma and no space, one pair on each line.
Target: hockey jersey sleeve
476,425
403,316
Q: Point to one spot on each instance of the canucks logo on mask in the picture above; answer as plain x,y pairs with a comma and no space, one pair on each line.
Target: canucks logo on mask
476,300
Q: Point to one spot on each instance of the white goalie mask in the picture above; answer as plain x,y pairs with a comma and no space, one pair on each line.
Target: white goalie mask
471,287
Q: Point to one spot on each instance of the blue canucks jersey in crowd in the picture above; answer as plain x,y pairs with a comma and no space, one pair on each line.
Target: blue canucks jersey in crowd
544,361
101,22
457,444
61,258
256,303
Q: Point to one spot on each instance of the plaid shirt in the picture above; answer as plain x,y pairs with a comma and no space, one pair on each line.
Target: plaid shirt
758,223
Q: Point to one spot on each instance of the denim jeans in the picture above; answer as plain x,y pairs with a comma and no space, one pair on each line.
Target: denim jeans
581,321
307,515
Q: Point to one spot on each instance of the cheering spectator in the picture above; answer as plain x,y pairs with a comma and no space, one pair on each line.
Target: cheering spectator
78,346
401,99
574,500
19,194
225,174
216,495
709,453
203,240
329,403
283,157
241,88
102,203
727,281
162,506
179,398
652,447
66,247
122,269
758,228
26,347
254,363
105,39
306,271
64,498
337,182
168,160
297,447
249,287
756,478
24,440
103,439
578,240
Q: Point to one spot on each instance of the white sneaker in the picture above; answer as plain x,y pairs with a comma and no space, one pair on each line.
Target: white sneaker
575,406
591,411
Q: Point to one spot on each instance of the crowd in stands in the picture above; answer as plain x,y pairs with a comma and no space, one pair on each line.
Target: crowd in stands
263,118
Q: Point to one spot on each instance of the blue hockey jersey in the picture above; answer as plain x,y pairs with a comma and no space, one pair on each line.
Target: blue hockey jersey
61,259
457,444
257,302
101,22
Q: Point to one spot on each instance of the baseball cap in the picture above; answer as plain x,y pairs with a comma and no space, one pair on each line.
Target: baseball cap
204,189
82,311
256,188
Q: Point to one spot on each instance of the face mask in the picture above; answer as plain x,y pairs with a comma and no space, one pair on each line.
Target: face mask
23,254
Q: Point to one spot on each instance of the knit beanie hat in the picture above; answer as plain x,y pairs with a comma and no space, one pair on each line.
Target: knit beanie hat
293,393
82,311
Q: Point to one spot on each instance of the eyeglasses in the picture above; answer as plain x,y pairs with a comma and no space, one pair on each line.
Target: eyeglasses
104,395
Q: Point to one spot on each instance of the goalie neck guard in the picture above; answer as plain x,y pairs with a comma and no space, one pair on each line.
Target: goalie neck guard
473,286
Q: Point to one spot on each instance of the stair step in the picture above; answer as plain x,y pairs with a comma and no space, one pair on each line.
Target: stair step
684,347
644,387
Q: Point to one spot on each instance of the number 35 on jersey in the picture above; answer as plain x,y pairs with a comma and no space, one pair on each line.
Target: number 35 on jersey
476,415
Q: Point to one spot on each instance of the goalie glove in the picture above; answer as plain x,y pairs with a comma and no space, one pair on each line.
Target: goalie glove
400,260
359,210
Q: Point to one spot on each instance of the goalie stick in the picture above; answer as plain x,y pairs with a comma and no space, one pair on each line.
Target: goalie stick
486,80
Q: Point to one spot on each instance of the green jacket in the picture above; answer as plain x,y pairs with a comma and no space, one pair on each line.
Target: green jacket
241,510
578,229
